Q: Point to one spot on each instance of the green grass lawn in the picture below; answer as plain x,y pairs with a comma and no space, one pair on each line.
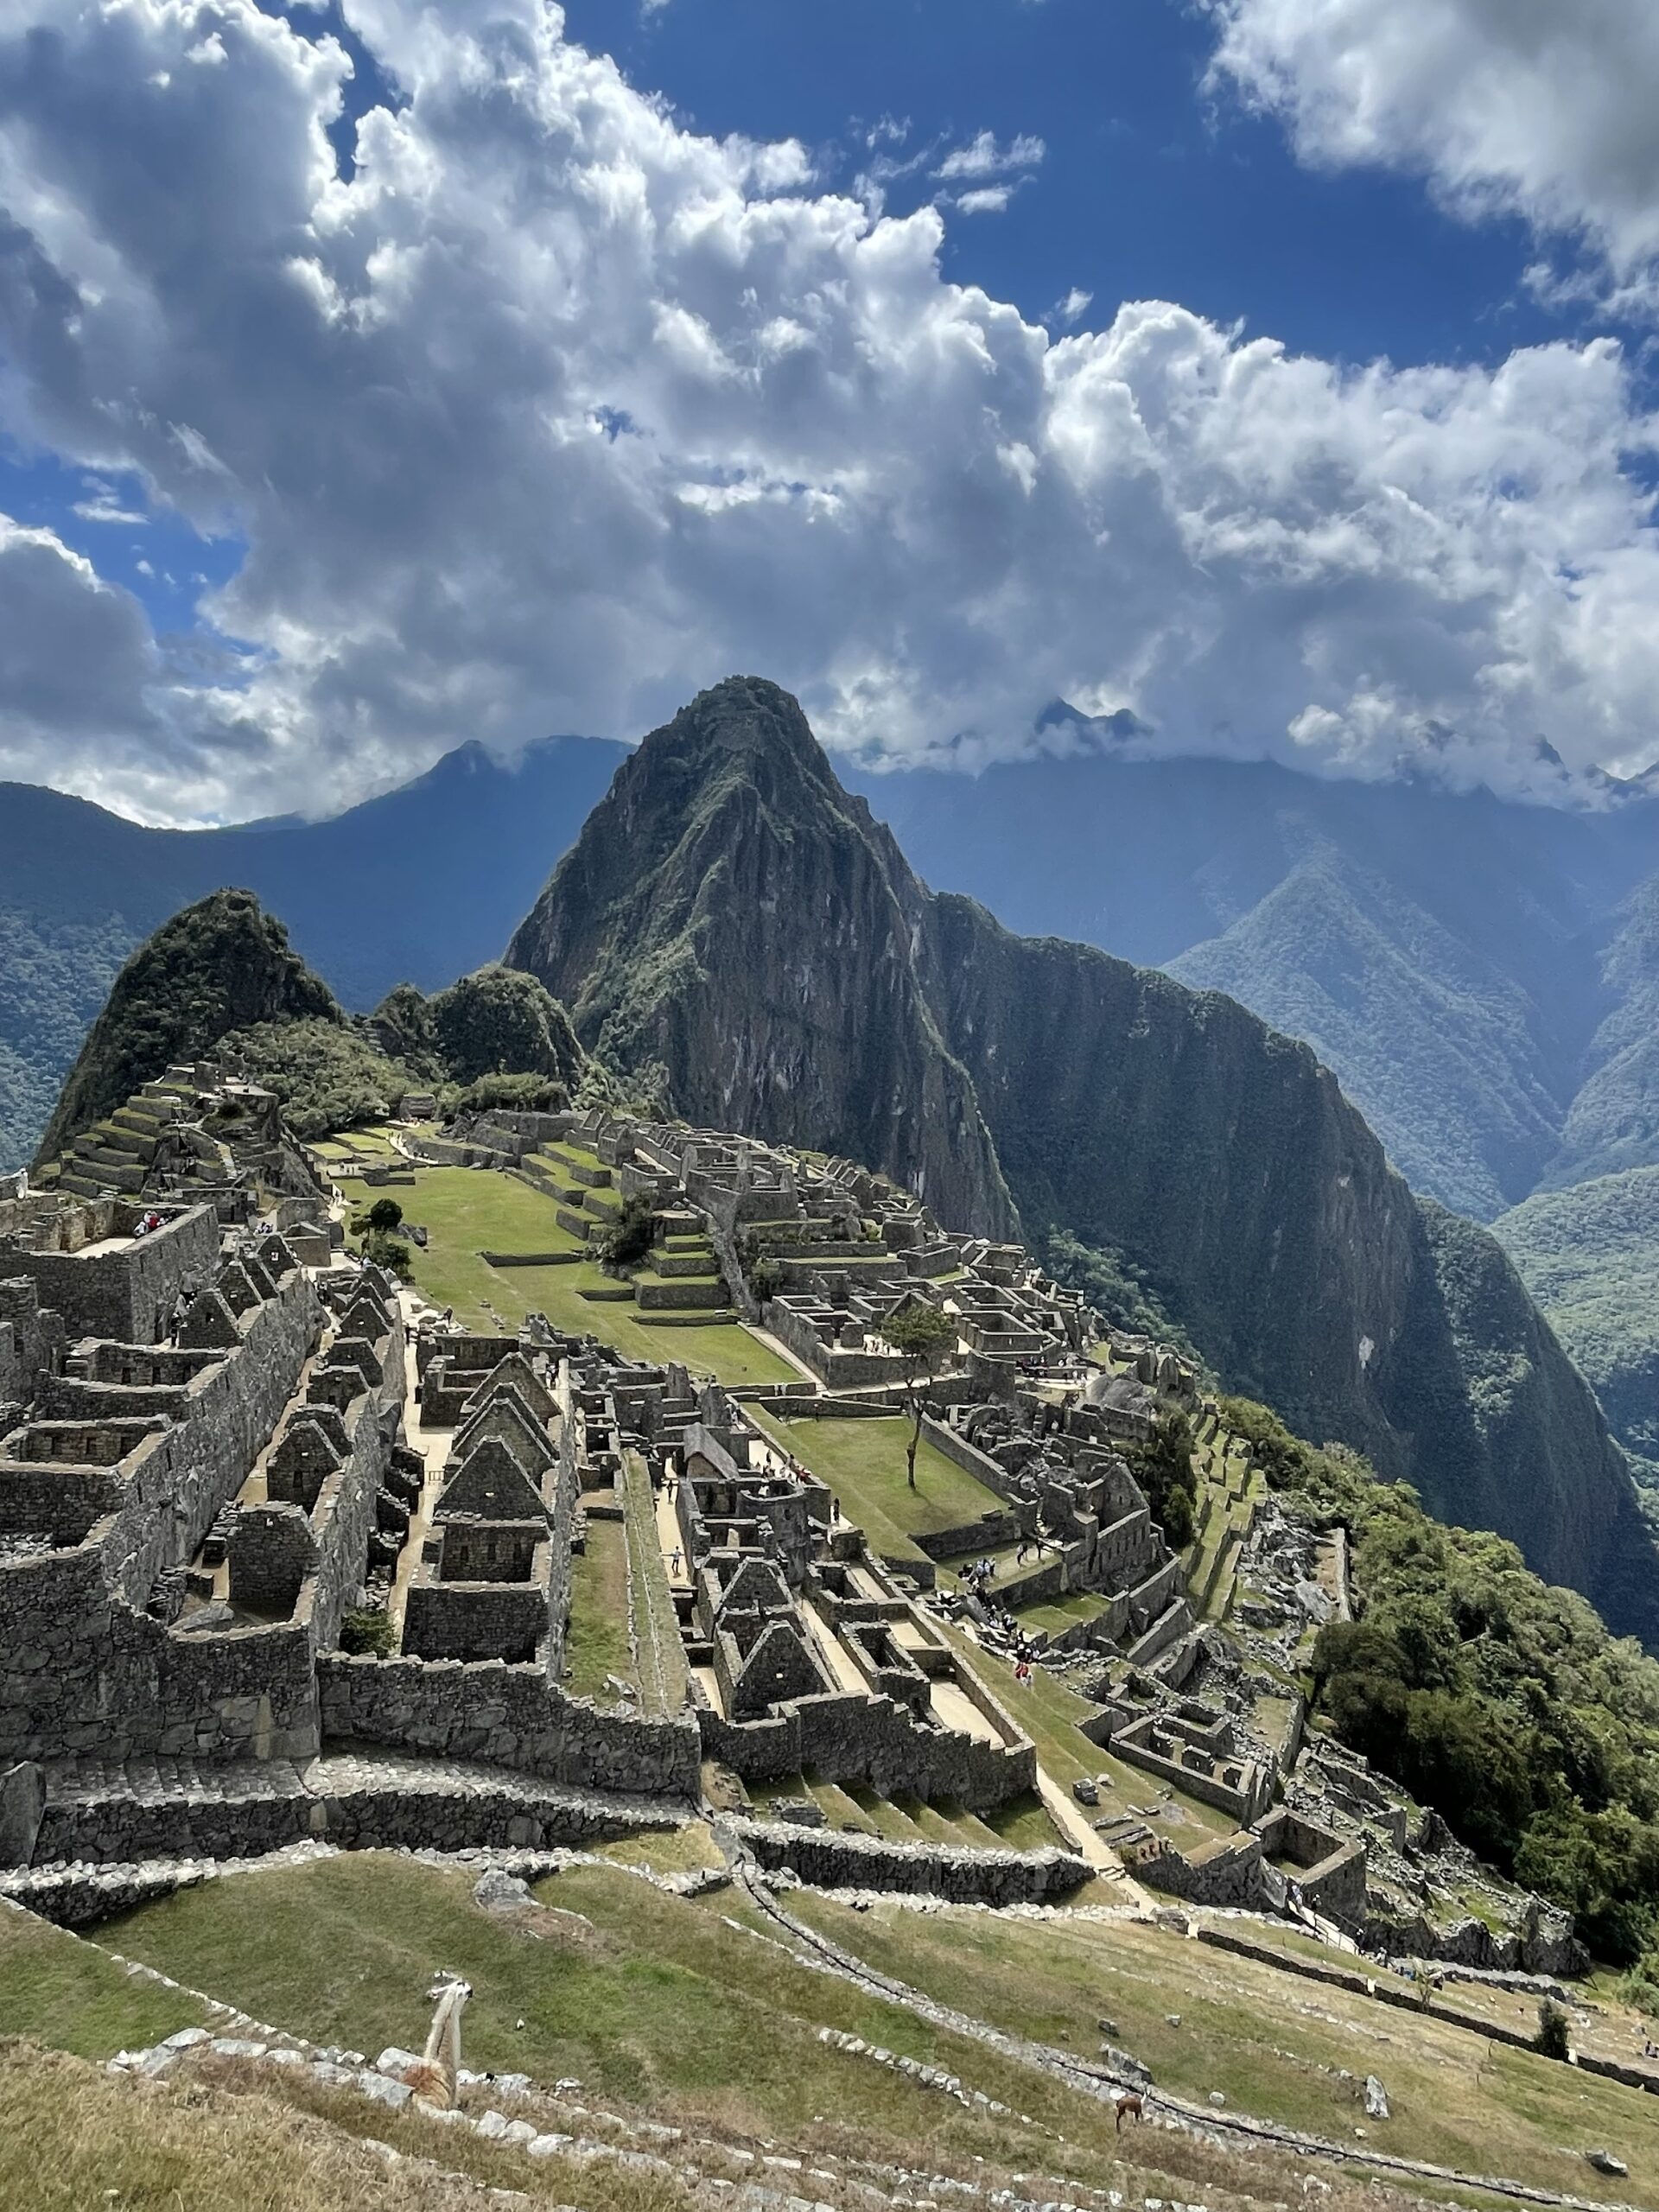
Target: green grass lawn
596,1642
662,1671
863,1463
467,1211
1272,2046
61,1991
634,1994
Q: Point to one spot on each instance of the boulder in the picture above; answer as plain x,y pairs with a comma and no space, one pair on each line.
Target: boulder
498,1891
1605,2163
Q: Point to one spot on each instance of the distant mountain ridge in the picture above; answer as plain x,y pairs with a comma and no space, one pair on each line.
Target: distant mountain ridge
735,926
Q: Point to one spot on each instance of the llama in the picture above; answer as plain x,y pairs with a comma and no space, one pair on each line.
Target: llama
433,2075
1130,2107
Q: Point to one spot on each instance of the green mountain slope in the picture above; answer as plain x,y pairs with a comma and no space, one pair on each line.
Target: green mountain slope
1614,1121
221,977
419,886
1590,1257
221,965
733,922
1436,1043
808,1023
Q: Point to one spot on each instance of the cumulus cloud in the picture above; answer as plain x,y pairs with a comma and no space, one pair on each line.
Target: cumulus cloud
552,412
1522,107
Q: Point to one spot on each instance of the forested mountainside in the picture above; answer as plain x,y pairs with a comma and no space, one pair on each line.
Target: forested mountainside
735,928
418,887
221,977
1590,1256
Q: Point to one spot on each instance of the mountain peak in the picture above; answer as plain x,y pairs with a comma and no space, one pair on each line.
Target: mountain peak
755,723
219,965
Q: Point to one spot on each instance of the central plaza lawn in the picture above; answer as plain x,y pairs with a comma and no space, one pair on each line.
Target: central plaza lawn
863,1463
467,1211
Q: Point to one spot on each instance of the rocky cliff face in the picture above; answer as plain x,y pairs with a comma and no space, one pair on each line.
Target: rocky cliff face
731,917
733,920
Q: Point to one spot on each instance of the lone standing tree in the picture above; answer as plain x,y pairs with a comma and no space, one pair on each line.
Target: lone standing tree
921,1334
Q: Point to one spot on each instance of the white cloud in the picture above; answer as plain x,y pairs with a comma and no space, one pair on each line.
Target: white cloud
1543,108
983,156
1073,308
102,503
984,199
571,411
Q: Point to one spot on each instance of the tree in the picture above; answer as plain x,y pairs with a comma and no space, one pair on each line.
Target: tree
1164,1465
631,1238
1551,2040
386,1214
919,1334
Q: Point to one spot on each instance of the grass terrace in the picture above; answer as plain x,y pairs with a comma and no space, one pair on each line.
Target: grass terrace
467,1211
1203,2021
863,1463
596,1641
637,1995
61,1991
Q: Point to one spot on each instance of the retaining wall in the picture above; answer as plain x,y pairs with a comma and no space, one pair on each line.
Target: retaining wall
831,1858
508,1716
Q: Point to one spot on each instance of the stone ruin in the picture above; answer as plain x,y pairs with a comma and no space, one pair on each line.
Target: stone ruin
247,1518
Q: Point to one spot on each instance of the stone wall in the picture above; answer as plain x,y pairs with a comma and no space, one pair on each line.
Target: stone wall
835,1860
83,1667
483,1620
130,1294
508,1716
846,1738
366,1811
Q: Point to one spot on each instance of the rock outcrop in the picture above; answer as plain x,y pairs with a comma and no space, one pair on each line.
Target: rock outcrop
733,924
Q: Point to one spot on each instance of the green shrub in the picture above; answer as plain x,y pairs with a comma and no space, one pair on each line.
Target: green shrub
1163,1467
1502,1703
628,1243
386,1214
389,1251
366,1633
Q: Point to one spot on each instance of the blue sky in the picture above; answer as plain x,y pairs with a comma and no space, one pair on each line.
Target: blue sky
376,378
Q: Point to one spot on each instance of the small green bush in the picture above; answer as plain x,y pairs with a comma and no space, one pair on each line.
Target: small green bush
626,1245
390,1252
366,1633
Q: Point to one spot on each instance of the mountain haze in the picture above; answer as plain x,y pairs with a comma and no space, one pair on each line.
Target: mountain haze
734,926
